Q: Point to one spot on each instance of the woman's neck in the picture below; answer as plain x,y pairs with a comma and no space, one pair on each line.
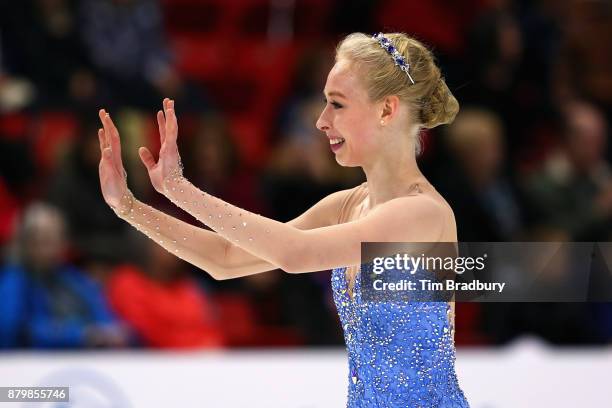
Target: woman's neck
387,180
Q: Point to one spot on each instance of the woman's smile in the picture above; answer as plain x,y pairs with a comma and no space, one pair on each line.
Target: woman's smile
336,143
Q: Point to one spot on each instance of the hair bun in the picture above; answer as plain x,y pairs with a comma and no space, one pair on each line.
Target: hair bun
441,108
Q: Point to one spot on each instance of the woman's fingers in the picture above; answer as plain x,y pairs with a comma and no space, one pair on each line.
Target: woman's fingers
102,114
161,125
101,139
111,138
115,143
106,164
107,153
171,123
146,157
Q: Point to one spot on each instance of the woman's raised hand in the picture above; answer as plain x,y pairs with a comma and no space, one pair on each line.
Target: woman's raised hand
169,159
112,174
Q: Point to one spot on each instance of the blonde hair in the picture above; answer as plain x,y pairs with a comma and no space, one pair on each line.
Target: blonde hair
431,101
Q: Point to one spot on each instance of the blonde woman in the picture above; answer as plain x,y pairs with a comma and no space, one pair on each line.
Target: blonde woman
381,91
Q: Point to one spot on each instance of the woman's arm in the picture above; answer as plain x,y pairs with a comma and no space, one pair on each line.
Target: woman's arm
239,262
200,247
406,219
208,250
190,243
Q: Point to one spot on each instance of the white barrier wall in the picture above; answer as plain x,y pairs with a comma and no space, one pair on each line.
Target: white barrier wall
527,374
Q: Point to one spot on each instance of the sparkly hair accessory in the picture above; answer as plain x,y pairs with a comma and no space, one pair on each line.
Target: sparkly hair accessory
398,58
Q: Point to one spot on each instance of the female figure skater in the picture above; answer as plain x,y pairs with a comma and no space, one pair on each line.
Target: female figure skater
381,91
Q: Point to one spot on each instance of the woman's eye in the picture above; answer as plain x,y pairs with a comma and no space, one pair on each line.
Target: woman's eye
336,105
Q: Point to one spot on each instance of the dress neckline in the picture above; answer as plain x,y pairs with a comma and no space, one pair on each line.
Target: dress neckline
350,280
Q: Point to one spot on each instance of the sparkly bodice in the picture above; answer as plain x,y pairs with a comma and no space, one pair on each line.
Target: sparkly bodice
400,354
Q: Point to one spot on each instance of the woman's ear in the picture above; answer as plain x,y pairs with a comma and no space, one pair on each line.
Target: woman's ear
390,106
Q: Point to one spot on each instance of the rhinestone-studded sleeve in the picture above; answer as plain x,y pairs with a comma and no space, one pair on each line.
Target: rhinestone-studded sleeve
263,237
177,237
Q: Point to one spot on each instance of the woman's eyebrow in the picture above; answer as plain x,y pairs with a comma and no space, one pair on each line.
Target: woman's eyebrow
335,93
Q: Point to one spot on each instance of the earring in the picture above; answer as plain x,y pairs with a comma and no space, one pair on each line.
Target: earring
382,122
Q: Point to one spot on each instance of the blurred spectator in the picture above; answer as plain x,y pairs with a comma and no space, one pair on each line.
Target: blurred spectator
497,75
309,80
164,305
17,175
94,229
17,165
474,182
126,43
302,170
583,69
569,199
49,52
573,190
46,302
15,93
213,164
495,49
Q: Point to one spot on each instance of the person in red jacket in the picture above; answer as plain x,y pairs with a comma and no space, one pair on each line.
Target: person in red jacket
165,307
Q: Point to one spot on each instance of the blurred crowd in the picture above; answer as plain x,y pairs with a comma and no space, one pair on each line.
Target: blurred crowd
527,158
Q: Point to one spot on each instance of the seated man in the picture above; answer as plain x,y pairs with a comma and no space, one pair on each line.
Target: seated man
46,302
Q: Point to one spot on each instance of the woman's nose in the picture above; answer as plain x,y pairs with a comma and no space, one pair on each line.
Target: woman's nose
322,122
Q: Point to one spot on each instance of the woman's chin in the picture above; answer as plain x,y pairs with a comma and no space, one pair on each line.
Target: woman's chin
345,163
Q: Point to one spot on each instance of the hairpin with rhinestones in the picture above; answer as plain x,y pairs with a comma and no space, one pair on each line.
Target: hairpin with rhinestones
398,58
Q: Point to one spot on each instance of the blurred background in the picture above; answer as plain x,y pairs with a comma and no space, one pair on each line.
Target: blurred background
527,158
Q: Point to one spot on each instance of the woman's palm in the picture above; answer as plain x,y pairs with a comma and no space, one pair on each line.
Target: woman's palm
113,180
169,158
112,174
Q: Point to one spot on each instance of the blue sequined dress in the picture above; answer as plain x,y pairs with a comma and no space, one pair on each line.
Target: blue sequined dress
400,354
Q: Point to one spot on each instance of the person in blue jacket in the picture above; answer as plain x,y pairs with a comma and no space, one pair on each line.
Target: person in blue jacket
46,302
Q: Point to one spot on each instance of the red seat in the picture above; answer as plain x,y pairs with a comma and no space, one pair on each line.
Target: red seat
9,213
237,310
53,134
244,331
252,134
192,16
14,126
467,324
310,19
264,71
438,23
201,57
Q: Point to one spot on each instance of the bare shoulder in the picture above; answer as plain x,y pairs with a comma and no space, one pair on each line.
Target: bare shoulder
449,233
424,217
415,206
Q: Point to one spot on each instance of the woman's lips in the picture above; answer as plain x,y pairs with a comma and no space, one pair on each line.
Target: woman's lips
336,147
335,143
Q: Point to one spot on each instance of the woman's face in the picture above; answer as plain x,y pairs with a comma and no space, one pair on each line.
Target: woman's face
349,116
